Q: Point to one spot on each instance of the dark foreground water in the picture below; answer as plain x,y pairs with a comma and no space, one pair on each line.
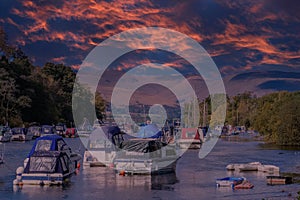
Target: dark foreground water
194,177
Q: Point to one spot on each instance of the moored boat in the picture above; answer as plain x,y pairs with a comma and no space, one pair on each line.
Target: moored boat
60,129
191,138
102,146
50,162
279,180
71,133
47,130
229,181
5,134
252,166
146,154
35,131
45,168
271,169
244,185
21,134
85,129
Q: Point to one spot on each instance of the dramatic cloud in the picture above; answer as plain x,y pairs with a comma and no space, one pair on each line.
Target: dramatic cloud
86,23
240,35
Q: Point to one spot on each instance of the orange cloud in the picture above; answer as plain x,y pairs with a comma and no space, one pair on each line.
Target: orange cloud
241,37
59,59
121,15
95,21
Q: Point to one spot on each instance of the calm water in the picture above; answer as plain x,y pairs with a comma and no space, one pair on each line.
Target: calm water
194,178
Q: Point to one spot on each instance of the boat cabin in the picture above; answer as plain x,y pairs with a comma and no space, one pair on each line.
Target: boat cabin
50,143
35,131
47,129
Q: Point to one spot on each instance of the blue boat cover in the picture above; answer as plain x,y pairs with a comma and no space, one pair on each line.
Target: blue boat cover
149,131
47,143
231,179
18,130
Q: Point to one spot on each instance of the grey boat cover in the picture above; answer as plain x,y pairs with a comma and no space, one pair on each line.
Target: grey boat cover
142,145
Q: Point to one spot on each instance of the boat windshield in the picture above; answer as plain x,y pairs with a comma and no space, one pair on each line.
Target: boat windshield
99,144
43,145
59,128
17,130
42,164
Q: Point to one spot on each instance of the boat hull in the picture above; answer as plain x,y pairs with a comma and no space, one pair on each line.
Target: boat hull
229,181
279,180
98,158
43,179
144,166
244,185
5,138
21,137
271,169
189,143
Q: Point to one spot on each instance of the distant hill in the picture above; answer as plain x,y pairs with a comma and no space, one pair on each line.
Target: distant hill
263,82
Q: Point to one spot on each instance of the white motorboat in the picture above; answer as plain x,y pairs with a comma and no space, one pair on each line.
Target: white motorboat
271,169
101,146
229,181
35,131
147,154
192,138
252,166
47,130
21,134
5,134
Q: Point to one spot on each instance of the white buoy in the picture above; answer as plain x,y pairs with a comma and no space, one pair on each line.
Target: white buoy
19,171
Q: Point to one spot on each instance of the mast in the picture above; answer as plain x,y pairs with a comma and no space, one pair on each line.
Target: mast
204,114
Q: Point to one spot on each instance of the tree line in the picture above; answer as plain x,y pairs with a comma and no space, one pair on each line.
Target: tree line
31,93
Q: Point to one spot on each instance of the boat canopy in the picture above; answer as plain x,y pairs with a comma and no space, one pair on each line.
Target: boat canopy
34,129
111,133
149,131
85,126
142,145
18,130
4,129
48,162
48,143
47,129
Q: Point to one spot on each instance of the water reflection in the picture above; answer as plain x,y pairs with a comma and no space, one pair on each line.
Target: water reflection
105,177
163,181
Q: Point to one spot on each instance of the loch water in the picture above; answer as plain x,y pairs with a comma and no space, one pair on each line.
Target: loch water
194,177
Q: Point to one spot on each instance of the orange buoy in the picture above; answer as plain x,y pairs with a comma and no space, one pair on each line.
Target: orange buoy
122,173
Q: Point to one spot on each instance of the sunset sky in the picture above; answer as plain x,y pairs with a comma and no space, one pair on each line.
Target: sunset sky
256,41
